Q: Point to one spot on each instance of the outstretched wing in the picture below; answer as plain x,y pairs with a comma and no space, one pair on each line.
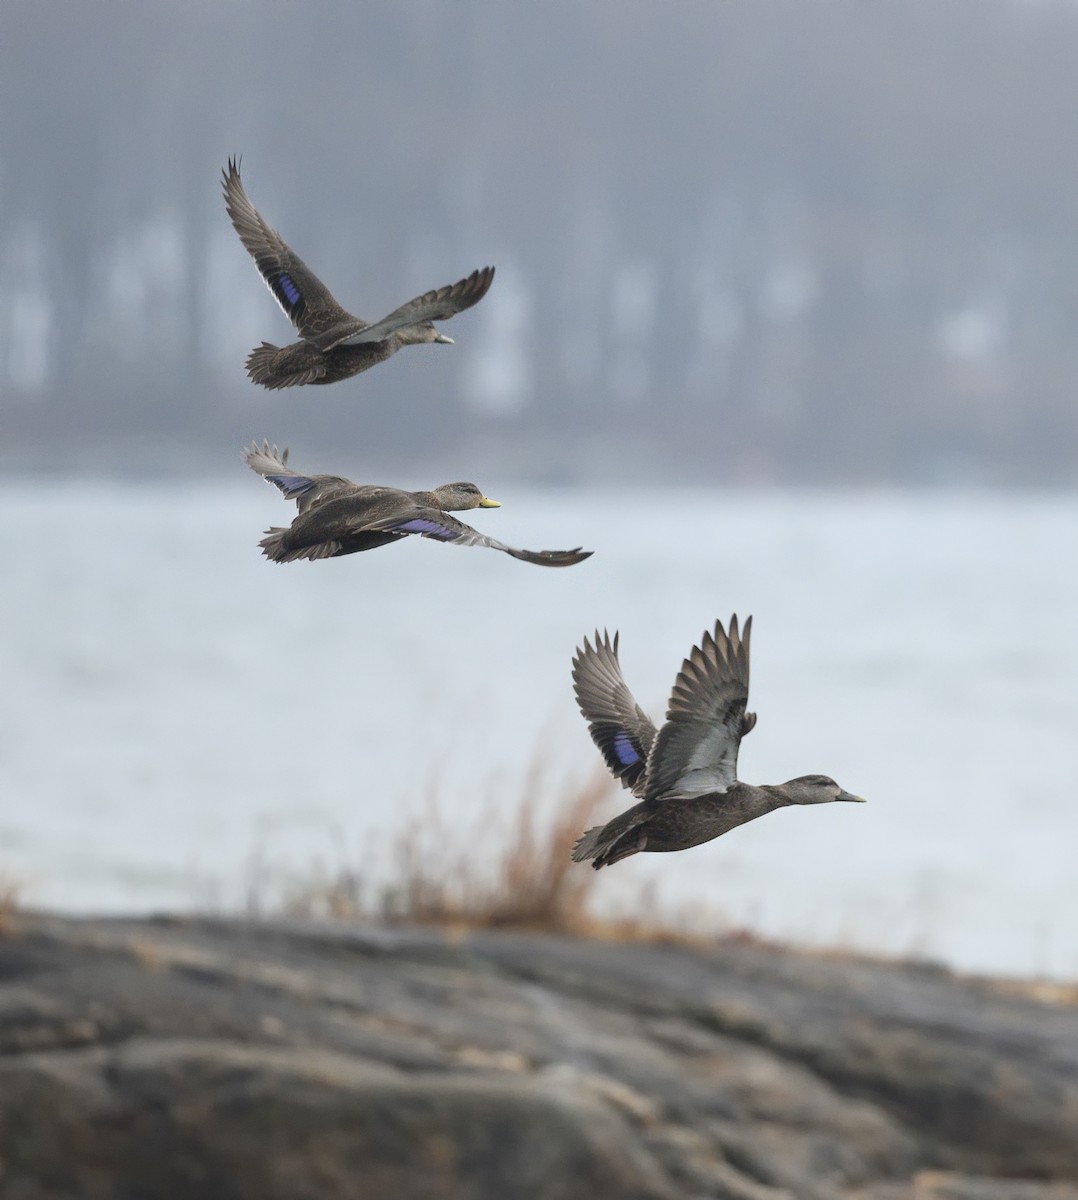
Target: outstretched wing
306,490
305,299
696,750
619,726
433,523
438,305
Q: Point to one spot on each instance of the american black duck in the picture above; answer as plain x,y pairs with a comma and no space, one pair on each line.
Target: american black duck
334,344
686,772
339,517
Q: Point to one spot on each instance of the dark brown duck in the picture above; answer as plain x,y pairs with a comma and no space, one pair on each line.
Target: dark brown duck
339,517
686,772
334,344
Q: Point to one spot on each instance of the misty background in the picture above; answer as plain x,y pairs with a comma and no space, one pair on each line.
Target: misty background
794,242
783,324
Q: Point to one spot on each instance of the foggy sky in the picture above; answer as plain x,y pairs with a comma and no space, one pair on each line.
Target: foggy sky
826,242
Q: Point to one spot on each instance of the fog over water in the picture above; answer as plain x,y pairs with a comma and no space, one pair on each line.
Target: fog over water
174,707
783,323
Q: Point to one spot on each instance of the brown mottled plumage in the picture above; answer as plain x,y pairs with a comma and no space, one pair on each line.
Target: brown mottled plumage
685,772
335,344
339,517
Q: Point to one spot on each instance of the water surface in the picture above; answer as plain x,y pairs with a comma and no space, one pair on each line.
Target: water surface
175,708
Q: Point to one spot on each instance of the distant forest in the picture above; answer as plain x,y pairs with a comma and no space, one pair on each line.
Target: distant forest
807,241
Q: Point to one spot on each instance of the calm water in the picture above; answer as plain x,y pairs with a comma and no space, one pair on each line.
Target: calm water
175,708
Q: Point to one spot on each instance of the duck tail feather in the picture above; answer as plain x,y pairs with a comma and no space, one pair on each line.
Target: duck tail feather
617,849
273,546
276,548
261,363
587,845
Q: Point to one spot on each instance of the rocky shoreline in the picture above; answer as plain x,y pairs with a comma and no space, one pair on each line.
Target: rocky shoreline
214,1058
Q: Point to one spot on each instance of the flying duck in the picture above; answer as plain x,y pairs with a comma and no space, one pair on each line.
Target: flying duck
338,517
334,344
685,774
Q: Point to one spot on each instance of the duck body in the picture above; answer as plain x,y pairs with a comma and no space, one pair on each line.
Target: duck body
686,771
675,823
334,527
301,363
337,517
334,343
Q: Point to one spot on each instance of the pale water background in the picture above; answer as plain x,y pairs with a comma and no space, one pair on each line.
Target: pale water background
174,708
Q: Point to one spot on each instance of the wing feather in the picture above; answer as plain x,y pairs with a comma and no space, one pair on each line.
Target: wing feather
434,523
696,749
620,728
437,305
307,490
303,297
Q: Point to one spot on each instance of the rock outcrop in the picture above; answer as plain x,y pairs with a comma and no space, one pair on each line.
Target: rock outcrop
254,1061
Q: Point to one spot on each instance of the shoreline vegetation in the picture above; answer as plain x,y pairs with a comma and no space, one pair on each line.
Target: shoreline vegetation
9,902
507,866
504,867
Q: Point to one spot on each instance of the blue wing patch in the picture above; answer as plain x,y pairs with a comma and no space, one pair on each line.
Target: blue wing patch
625,750
286,291
291,485
430,528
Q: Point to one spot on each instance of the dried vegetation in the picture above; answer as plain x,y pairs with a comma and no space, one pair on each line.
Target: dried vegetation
509,867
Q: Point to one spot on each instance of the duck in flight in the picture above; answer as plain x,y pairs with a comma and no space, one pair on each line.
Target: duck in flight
685,774
334,344
339,517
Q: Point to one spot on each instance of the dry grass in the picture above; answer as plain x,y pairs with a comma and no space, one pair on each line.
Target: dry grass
447,876
9,902
507,868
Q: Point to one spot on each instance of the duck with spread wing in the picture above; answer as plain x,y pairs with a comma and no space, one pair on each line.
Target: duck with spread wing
337,516
334,344
685,774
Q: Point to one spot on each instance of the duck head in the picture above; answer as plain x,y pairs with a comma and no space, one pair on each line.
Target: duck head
423,331
816,789
458,497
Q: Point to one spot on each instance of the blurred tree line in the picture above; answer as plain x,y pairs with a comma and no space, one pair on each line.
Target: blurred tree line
816,242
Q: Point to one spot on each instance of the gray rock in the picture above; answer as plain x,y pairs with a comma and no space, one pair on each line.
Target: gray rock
145,1059
179,1118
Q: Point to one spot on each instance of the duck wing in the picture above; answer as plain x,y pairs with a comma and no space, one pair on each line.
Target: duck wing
696,750
305,299
428,522
307,490
619,726
437,305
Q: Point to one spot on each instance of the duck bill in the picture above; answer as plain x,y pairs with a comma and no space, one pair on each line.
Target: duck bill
445,341
851,797
486,502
